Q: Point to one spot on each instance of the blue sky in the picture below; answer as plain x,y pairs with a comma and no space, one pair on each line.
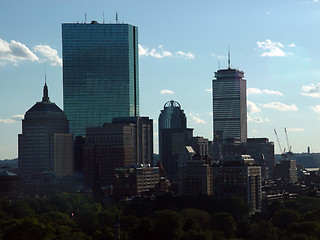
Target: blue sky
276,44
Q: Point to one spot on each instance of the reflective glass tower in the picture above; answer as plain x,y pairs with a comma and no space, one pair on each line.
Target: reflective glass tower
173,136
229,105
100,73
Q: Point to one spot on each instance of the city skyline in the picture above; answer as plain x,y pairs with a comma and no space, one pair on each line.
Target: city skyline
180,46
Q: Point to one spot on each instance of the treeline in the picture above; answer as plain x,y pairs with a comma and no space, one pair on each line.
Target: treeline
75,216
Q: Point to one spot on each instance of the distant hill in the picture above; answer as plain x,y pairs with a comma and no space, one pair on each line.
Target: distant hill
10,163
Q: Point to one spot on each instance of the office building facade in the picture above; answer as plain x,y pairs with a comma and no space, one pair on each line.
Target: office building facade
100,73
45,145
229,105
238,176
116,145
173,136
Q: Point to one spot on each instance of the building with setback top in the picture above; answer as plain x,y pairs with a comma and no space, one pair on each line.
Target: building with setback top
229,105
45,145
100,73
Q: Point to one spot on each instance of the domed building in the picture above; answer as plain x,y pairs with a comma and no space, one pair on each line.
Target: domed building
173,136
45,145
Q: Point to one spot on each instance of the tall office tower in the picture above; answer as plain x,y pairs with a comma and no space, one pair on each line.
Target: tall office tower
123,143
238,176
45,144
100,73
229,105
173,136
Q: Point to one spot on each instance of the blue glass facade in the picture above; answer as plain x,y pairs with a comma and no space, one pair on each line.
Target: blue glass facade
100,73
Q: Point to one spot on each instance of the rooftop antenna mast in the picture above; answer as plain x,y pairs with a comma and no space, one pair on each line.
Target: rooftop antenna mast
117,17
85,17
103,17
45,74
218,64
228,57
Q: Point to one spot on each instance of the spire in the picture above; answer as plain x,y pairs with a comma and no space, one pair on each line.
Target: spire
45,97
228,57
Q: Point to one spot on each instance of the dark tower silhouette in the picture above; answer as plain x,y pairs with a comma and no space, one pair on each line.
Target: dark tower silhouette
173,136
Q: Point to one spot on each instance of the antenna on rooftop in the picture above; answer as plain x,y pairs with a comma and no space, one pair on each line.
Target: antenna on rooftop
219,64
45,74
117,17
103,17
85,18
229,57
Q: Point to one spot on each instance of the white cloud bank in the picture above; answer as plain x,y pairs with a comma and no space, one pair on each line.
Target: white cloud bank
166,91
273,49
312,90
13,119
316,108
295,129
266,91
209,90
252,107
16,52
196,119
160,52
280,106
49,53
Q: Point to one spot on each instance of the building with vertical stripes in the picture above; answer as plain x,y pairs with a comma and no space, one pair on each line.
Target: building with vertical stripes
100,73
229,105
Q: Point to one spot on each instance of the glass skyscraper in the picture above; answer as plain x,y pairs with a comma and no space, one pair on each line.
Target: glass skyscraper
100,73
229,105
173,136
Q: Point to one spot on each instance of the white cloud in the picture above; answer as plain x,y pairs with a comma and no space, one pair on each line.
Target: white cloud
209,90
316,108
291,45
272,92
254,119
280,106
210,113
187,55
295,129
196,119
17,117
160,52
252,107
253,91
272,49
312,90
49,53
15,52
166,91
266,91
7,121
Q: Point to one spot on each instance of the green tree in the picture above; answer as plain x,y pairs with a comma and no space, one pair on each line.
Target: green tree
225,223
167,224
284,217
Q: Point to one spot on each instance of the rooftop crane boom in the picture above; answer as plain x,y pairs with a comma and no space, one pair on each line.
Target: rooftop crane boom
275,132
289,146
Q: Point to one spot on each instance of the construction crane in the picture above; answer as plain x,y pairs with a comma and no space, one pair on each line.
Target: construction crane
289,146
283,153
275,132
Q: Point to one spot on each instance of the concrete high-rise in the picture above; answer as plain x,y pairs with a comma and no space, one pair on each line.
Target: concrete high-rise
173,136
100,73
45,144
229,105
